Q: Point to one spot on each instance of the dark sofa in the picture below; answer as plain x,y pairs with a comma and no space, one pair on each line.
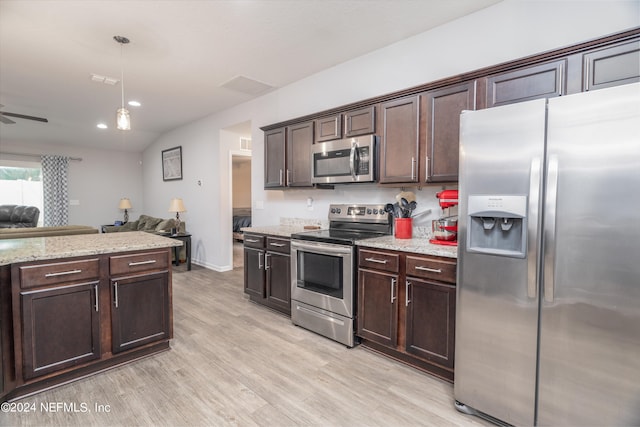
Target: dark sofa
18,216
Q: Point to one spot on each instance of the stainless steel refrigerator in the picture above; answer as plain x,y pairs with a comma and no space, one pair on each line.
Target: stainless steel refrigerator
548,309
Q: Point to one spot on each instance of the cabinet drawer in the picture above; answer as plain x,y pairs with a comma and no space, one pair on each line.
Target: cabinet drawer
133,263
432,268
278,245
378,260
32,276
253,241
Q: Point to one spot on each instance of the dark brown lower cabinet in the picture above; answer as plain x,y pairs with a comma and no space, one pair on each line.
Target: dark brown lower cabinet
430,320
267,271
61,328
66,318
406,308
139,311
378,302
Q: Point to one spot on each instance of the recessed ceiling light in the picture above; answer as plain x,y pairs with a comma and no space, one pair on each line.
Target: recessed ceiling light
134,103
102,126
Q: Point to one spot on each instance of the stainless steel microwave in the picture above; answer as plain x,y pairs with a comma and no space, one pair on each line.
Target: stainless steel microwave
344,160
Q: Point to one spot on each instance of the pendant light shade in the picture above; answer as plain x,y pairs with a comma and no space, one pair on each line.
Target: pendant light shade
123,119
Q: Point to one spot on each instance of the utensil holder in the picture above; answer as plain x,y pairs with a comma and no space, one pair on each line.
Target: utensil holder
403,228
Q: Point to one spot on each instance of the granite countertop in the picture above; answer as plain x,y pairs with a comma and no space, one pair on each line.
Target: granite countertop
276,230
42,248
418,245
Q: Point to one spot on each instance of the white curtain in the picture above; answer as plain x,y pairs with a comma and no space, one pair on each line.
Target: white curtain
55,190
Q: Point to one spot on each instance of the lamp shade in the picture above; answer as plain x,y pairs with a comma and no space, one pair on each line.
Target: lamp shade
124,203
123,119
176,205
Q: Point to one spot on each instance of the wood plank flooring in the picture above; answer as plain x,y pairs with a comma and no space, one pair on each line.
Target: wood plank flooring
235,363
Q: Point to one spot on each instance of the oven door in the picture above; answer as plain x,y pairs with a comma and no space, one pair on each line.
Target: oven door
322,276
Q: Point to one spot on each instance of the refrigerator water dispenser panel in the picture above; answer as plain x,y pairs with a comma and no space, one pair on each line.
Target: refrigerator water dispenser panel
497,225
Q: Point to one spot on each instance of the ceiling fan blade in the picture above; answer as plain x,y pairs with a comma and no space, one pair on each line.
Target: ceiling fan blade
22,116
6,121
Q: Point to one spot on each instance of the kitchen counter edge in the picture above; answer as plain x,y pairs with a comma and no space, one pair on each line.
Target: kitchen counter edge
43,248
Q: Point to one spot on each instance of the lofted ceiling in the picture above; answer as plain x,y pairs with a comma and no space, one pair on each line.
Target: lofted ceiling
186,59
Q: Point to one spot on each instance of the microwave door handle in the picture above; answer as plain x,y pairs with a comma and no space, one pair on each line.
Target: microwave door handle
352,160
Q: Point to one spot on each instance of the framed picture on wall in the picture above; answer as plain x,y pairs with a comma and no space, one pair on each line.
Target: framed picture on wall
172,164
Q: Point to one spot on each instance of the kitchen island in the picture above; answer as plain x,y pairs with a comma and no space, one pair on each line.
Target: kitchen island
71,306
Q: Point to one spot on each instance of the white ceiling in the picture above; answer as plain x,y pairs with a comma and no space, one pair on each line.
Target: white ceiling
180,54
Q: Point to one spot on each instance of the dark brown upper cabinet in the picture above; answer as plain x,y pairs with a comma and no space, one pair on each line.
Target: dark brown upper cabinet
442,111
299,141
275,158
611,66
361,121
524,84
328,128
400,145
287,156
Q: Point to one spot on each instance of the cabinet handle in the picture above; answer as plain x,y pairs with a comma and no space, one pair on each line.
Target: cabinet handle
413,168
62,273
407,285
266,261
260,260
115,294
151,261
280,178
95,289
393,285
277,245
378,261
426,163
252,240
288,177
432,270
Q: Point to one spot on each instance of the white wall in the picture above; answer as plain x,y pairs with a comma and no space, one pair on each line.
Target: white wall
508,30
97,182
241,175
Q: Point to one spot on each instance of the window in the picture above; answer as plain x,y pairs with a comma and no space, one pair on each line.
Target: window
21,184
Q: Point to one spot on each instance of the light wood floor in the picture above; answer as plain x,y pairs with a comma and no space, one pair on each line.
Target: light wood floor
233,362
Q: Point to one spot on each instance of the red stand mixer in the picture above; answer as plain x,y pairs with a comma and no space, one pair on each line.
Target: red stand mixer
445,229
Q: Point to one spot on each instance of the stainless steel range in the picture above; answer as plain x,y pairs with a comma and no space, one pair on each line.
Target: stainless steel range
323,270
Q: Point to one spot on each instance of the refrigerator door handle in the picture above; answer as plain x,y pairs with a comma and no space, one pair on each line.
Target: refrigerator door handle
532,228
550,228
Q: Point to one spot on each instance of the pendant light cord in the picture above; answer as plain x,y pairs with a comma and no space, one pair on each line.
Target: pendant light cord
122,75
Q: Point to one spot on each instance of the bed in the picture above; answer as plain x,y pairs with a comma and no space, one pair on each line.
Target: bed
241,218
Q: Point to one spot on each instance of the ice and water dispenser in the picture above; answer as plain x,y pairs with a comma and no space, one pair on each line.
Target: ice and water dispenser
497,225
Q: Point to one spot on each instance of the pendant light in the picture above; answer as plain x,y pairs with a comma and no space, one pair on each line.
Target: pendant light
123,119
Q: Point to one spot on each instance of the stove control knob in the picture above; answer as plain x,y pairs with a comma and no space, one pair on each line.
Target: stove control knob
375,211
338,210
333,210
369,211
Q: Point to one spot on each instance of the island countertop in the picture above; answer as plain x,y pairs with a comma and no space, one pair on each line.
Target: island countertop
41,248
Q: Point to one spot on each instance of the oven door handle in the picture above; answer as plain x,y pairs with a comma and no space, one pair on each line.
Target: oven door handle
321,248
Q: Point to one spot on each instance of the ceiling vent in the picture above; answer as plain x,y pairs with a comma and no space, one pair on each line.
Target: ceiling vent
247,85
245,144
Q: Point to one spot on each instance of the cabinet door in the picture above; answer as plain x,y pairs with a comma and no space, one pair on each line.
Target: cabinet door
611,66
299,141
61,328
139,310
378,307
430,320
278,289
400,141
443,108
539,81
254,272
360,122
328,128
274,158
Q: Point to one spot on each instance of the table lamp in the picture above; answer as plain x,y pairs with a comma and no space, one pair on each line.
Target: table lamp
125,204
177,206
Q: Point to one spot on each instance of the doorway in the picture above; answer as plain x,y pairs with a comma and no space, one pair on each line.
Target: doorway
240,202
